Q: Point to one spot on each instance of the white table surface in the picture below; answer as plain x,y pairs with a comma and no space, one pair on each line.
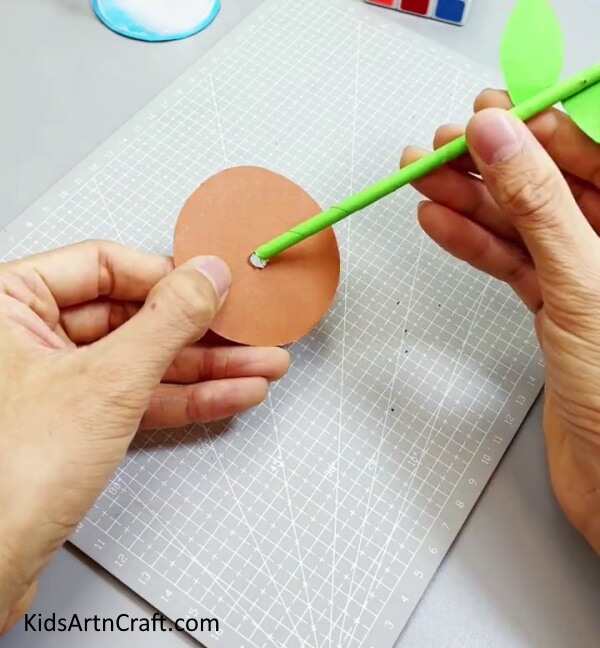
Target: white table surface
518,576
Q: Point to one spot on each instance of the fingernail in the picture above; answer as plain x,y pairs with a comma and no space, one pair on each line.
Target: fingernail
495,136
216,271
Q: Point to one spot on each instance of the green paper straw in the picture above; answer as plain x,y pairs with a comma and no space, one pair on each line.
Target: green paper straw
454,149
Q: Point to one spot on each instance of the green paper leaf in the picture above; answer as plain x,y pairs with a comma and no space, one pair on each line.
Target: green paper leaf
584,110
531,49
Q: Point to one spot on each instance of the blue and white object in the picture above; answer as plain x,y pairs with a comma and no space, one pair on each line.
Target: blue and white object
156,20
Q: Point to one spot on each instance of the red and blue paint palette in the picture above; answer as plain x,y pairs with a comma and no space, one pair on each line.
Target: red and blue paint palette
452,11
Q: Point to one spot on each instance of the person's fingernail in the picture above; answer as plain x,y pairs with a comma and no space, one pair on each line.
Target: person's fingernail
494,136
216,271
451,126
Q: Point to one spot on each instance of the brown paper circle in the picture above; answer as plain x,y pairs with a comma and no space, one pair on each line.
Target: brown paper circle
229,216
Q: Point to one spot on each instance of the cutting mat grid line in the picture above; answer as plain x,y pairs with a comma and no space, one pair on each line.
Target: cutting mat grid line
318,518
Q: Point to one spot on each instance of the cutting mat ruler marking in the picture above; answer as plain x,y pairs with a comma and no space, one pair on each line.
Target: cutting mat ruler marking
319,518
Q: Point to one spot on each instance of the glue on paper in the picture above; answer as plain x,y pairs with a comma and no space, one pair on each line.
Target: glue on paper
156,20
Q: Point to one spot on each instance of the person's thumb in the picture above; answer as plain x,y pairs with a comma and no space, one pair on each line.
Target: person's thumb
531,191
177,312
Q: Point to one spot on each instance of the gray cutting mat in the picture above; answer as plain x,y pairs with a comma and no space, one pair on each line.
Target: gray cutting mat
319,518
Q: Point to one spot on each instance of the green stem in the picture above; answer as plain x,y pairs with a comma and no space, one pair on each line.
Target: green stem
421,167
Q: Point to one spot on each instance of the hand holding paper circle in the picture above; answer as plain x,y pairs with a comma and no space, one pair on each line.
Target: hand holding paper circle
97,340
